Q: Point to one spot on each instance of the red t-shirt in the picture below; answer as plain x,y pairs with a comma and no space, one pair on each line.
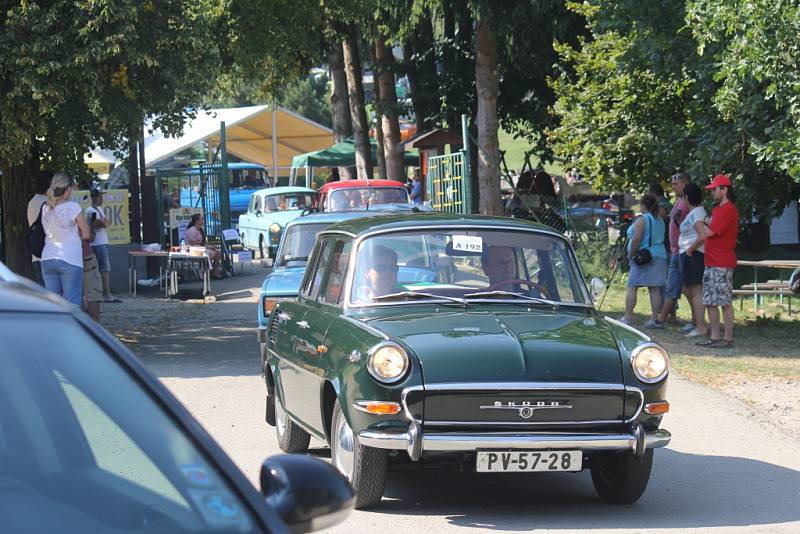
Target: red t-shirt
721,247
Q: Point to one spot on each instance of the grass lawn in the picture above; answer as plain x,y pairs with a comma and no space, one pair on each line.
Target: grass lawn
767,343
515,154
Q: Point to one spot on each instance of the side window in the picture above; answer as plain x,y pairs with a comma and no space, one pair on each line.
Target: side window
315,281
333,286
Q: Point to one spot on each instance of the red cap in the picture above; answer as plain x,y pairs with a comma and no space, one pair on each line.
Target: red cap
719,180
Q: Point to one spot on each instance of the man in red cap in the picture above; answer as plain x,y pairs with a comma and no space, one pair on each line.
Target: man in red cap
720,260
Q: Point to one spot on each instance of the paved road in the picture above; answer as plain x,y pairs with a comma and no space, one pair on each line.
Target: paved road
725,471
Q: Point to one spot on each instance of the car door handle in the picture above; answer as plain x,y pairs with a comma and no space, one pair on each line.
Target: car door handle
302,324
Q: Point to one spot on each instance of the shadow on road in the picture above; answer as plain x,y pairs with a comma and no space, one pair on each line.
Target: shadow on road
685,491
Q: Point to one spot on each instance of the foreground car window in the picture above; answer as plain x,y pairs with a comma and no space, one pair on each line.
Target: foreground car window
465,263
85,447
298,242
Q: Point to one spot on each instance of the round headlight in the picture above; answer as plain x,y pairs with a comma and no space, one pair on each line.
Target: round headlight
388,362
650,363
275,228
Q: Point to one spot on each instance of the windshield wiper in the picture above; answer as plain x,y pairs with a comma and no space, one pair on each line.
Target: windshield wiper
404,295
295,258
515,294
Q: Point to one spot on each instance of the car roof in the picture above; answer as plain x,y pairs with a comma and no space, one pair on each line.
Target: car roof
411,221
284,189
332,217
360,183
245,166
22,295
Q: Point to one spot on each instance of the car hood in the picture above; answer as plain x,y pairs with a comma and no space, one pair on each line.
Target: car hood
508,346
283,282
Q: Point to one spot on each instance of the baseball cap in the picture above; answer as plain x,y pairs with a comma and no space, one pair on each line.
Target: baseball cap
97,191
719,180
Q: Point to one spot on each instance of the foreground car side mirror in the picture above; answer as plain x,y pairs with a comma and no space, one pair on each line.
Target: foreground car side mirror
308,493
597,287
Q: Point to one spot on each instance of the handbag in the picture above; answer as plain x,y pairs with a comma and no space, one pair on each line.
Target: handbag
643,256
36,235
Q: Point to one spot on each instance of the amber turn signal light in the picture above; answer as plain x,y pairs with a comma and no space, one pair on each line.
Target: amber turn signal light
656,408
379,407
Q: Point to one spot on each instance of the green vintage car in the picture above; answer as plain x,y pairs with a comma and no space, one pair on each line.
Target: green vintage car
463,339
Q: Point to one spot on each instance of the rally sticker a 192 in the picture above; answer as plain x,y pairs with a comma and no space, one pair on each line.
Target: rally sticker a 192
468,243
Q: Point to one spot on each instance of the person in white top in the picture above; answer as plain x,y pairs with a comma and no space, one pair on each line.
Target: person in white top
690,246
34,206
64,226
98,222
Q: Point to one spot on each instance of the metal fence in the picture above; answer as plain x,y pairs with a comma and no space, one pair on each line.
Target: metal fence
203,187
449,183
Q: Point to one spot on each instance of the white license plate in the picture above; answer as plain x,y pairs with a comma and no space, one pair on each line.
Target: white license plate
532,461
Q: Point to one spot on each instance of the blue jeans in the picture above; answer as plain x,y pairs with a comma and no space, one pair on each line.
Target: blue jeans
64,279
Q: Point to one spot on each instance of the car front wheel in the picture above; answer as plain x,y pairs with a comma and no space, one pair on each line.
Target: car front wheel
291,438
621,478
364,467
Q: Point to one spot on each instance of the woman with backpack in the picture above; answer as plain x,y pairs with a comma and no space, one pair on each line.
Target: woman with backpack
648,259
64,227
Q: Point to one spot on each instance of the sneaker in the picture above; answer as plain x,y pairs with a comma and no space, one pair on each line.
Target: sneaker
688,327
656,325
696,333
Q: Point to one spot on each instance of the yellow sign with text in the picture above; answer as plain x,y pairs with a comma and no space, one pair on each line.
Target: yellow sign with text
115,208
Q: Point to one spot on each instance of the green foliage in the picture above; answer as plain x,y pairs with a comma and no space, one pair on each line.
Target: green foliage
705,86
309,98
76,74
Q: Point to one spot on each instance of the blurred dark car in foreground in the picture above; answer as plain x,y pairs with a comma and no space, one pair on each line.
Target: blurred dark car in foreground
91,442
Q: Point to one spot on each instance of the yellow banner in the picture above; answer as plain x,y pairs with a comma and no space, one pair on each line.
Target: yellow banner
115,208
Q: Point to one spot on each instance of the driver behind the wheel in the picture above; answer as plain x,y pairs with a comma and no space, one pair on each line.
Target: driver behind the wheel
380,272
500,266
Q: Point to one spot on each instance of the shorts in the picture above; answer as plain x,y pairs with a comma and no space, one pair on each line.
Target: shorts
92,283
674,279
693,268
717,286
103,261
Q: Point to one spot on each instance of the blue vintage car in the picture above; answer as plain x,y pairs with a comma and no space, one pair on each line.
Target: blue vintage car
243,180
268,213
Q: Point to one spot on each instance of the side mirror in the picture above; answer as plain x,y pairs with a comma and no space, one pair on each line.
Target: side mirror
308,493
597,288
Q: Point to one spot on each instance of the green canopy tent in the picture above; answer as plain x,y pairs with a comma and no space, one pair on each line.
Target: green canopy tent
342,154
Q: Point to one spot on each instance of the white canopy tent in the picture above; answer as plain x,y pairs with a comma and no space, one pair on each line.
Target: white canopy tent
257,134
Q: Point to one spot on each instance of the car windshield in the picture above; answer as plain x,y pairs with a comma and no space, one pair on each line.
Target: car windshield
84,448
297,244
288,201
468,264
248,178
349,198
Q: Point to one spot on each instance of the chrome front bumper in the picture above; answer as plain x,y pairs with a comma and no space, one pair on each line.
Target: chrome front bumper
415,442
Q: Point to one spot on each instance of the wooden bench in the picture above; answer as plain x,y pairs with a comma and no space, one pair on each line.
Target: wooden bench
763,291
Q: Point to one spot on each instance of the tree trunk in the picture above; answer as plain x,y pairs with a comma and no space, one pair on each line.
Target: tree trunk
134,189
358,113
17,186
486,86
379,153
421,72
389,123
340,104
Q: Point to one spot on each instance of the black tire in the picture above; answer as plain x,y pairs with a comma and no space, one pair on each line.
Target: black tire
619,478
269,412
261,254
370,465
291,438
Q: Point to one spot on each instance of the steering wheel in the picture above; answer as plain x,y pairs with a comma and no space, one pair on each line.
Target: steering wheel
531,285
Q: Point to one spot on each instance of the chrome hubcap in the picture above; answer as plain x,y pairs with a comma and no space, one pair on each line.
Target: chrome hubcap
344,449
280,416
